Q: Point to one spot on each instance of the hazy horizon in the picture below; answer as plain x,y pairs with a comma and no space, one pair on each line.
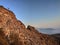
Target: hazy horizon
38,13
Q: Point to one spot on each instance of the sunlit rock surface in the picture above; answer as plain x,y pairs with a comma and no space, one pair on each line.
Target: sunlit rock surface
15,32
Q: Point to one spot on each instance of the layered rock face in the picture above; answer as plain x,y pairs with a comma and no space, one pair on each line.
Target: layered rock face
16,33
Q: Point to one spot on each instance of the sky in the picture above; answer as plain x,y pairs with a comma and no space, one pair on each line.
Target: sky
37,13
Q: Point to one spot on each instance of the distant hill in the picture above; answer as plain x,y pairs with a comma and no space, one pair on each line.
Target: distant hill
46,28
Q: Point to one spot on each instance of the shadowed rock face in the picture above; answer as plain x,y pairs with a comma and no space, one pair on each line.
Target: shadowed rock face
3,40
17,34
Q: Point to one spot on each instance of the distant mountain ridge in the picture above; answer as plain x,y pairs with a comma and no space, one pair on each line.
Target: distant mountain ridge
49,30
46,28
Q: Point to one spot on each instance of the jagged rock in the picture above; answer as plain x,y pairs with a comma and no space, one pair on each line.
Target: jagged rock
32,29
10,24
17,34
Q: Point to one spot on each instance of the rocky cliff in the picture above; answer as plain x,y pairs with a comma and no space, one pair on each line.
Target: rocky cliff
15,32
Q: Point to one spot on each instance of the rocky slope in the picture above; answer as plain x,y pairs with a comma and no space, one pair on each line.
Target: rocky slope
15,32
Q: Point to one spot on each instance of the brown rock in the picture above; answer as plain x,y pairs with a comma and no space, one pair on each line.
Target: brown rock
3,40
17,34
31,28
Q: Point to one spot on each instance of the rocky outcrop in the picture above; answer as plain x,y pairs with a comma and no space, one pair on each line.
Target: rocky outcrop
16,33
